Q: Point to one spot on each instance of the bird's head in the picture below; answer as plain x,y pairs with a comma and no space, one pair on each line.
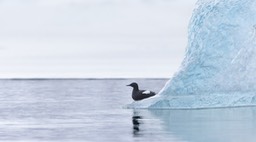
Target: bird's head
134,85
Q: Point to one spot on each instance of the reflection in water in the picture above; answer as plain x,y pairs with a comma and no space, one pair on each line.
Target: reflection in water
136,123
205,125
146,125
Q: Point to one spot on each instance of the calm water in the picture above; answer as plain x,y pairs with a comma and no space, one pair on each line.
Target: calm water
91,111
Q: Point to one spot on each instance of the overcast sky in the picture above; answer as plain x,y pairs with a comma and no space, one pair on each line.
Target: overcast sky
92,38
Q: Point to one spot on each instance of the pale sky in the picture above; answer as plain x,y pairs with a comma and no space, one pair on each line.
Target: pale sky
92,38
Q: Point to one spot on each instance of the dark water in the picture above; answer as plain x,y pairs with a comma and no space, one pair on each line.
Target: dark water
91,111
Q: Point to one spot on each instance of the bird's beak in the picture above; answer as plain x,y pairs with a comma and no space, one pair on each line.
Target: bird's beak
128,85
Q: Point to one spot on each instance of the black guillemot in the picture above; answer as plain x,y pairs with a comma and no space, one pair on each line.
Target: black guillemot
140,94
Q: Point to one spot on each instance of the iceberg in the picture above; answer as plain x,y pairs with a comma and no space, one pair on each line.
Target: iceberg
219,67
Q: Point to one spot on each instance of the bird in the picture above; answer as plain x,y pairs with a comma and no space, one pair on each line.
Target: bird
138,95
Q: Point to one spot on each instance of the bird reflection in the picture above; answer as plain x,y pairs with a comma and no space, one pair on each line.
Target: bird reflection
136,123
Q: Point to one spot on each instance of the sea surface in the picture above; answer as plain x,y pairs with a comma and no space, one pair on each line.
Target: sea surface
91,110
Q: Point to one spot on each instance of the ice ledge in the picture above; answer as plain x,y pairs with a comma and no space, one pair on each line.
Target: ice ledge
214,100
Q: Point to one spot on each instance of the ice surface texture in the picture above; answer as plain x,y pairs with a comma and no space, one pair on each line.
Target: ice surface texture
219,68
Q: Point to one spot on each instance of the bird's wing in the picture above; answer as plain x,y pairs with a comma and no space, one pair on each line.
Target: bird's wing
146,92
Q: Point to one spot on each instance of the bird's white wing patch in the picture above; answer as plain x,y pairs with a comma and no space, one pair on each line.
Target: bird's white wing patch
146,92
